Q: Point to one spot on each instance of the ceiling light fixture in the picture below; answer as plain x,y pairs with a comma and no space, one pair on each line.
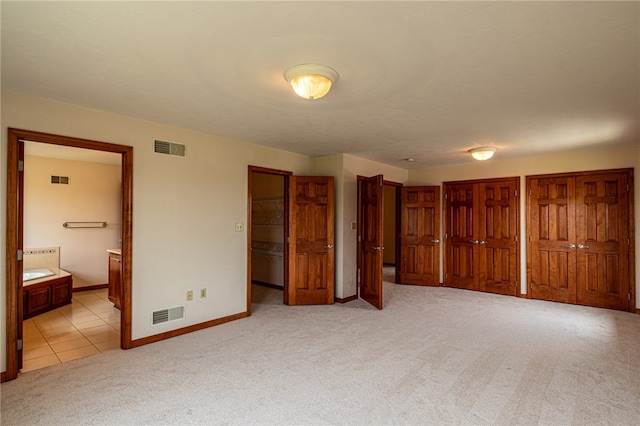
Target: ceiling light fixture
482,153
311,81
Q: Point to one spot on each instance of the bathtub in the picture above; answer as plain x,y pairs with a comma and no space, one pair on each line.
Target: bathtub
33,274
44,290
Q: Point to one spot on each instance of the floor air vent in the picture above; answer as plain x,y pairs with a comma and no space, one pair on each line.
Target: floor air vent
166,315
169,148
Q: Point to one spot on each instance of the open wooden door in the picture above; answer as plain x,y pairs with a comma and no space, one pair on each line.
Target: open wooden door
311,241
370,239
420,235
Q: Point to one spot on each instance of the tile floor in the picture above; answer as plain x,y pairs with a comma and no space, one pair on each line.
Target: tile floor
88,326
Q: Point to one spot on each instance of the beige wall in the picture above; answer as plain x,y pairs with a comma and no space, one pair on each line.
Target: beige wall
614,157
184,209
93,194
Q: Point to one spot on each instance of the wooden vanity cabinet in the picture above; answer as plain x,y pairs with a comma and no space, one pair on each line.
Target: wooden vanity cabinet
115,273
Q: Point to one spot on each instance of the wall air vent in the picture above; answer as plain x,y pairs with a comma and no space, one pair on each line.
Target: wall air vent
167,315
169,148
64,180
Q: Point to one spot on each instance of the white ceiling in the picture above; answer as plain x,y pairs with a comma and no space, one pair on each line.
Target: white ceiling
426,80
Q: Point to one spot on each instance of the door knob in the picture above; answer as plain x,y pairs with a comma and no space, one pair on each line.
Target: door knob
329,246
435,241
474,241
483,242
378,248
571,246
582,247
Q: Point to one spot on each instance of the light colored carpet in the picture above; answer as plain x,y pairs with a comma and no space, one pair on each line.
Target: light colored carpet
432,356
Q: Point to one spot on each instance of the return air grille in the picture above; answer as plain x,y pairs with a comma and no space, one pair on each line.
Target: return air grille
169,148
166,315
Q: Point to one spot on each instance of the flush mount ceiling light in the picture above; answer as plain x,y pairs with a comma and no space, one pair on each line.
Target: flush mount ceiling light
482,153
311,81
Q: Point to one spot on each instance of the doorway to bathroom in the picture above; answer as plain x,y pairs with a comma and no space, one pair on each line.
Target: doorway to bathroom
15,234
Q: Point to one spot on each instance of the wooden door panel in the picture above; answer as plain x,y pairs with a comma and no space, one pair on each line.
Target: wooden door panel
420,236
371,240
602,224
461,250
552,224
311,240
497,236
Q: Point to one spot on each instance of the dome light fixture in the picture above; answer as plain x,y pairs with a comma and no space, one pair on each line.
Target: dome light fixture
311,81
482,153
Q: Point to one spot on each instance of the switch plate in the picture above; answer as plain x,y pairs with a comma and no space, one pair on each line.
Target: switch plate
189,295
353,226
239,227
203,293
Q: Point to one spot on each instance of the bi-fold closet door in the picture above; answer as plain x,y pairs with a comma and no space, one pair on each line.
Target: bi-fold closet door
481,235
579,240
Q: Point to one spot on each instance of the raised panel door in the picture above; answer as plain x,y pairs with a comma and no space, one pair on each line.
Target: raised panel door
552,239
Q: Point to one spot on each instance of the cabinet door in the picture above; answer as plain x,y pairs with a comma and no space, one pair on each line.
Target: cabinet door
61,293
114,279
37,300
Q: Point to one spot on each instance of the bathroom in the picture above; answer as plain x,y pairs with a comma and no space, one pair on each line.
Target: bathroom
71,218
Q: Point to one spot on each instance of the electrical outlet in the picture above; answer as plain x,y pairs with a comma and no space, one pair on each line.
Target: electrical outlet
239,227
203,293
189,295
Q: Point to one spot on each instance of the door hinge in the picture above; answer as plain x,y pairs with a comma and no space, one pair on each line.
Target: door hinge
359,238
629,242
529,191
627,187
629,295
515,192
20,255
446,235
446,276
516,283
530,238
530,285
446,196
358,278
515,238
19,344
20,165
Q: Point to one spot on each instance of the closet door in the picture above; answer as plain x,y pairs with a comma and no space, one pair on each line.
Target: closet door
552,238
498,217
579,238
420,235
602,240
462,246
481,239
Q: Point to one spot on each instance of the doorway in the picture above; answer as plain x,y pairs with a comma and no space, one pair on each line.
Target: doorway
266,235
15,235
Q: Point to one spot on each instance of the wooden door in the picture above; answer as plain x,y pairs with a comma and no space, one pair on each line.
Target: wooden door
420,235
498,230
602,240
462,245
552,239
311,241
371,239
